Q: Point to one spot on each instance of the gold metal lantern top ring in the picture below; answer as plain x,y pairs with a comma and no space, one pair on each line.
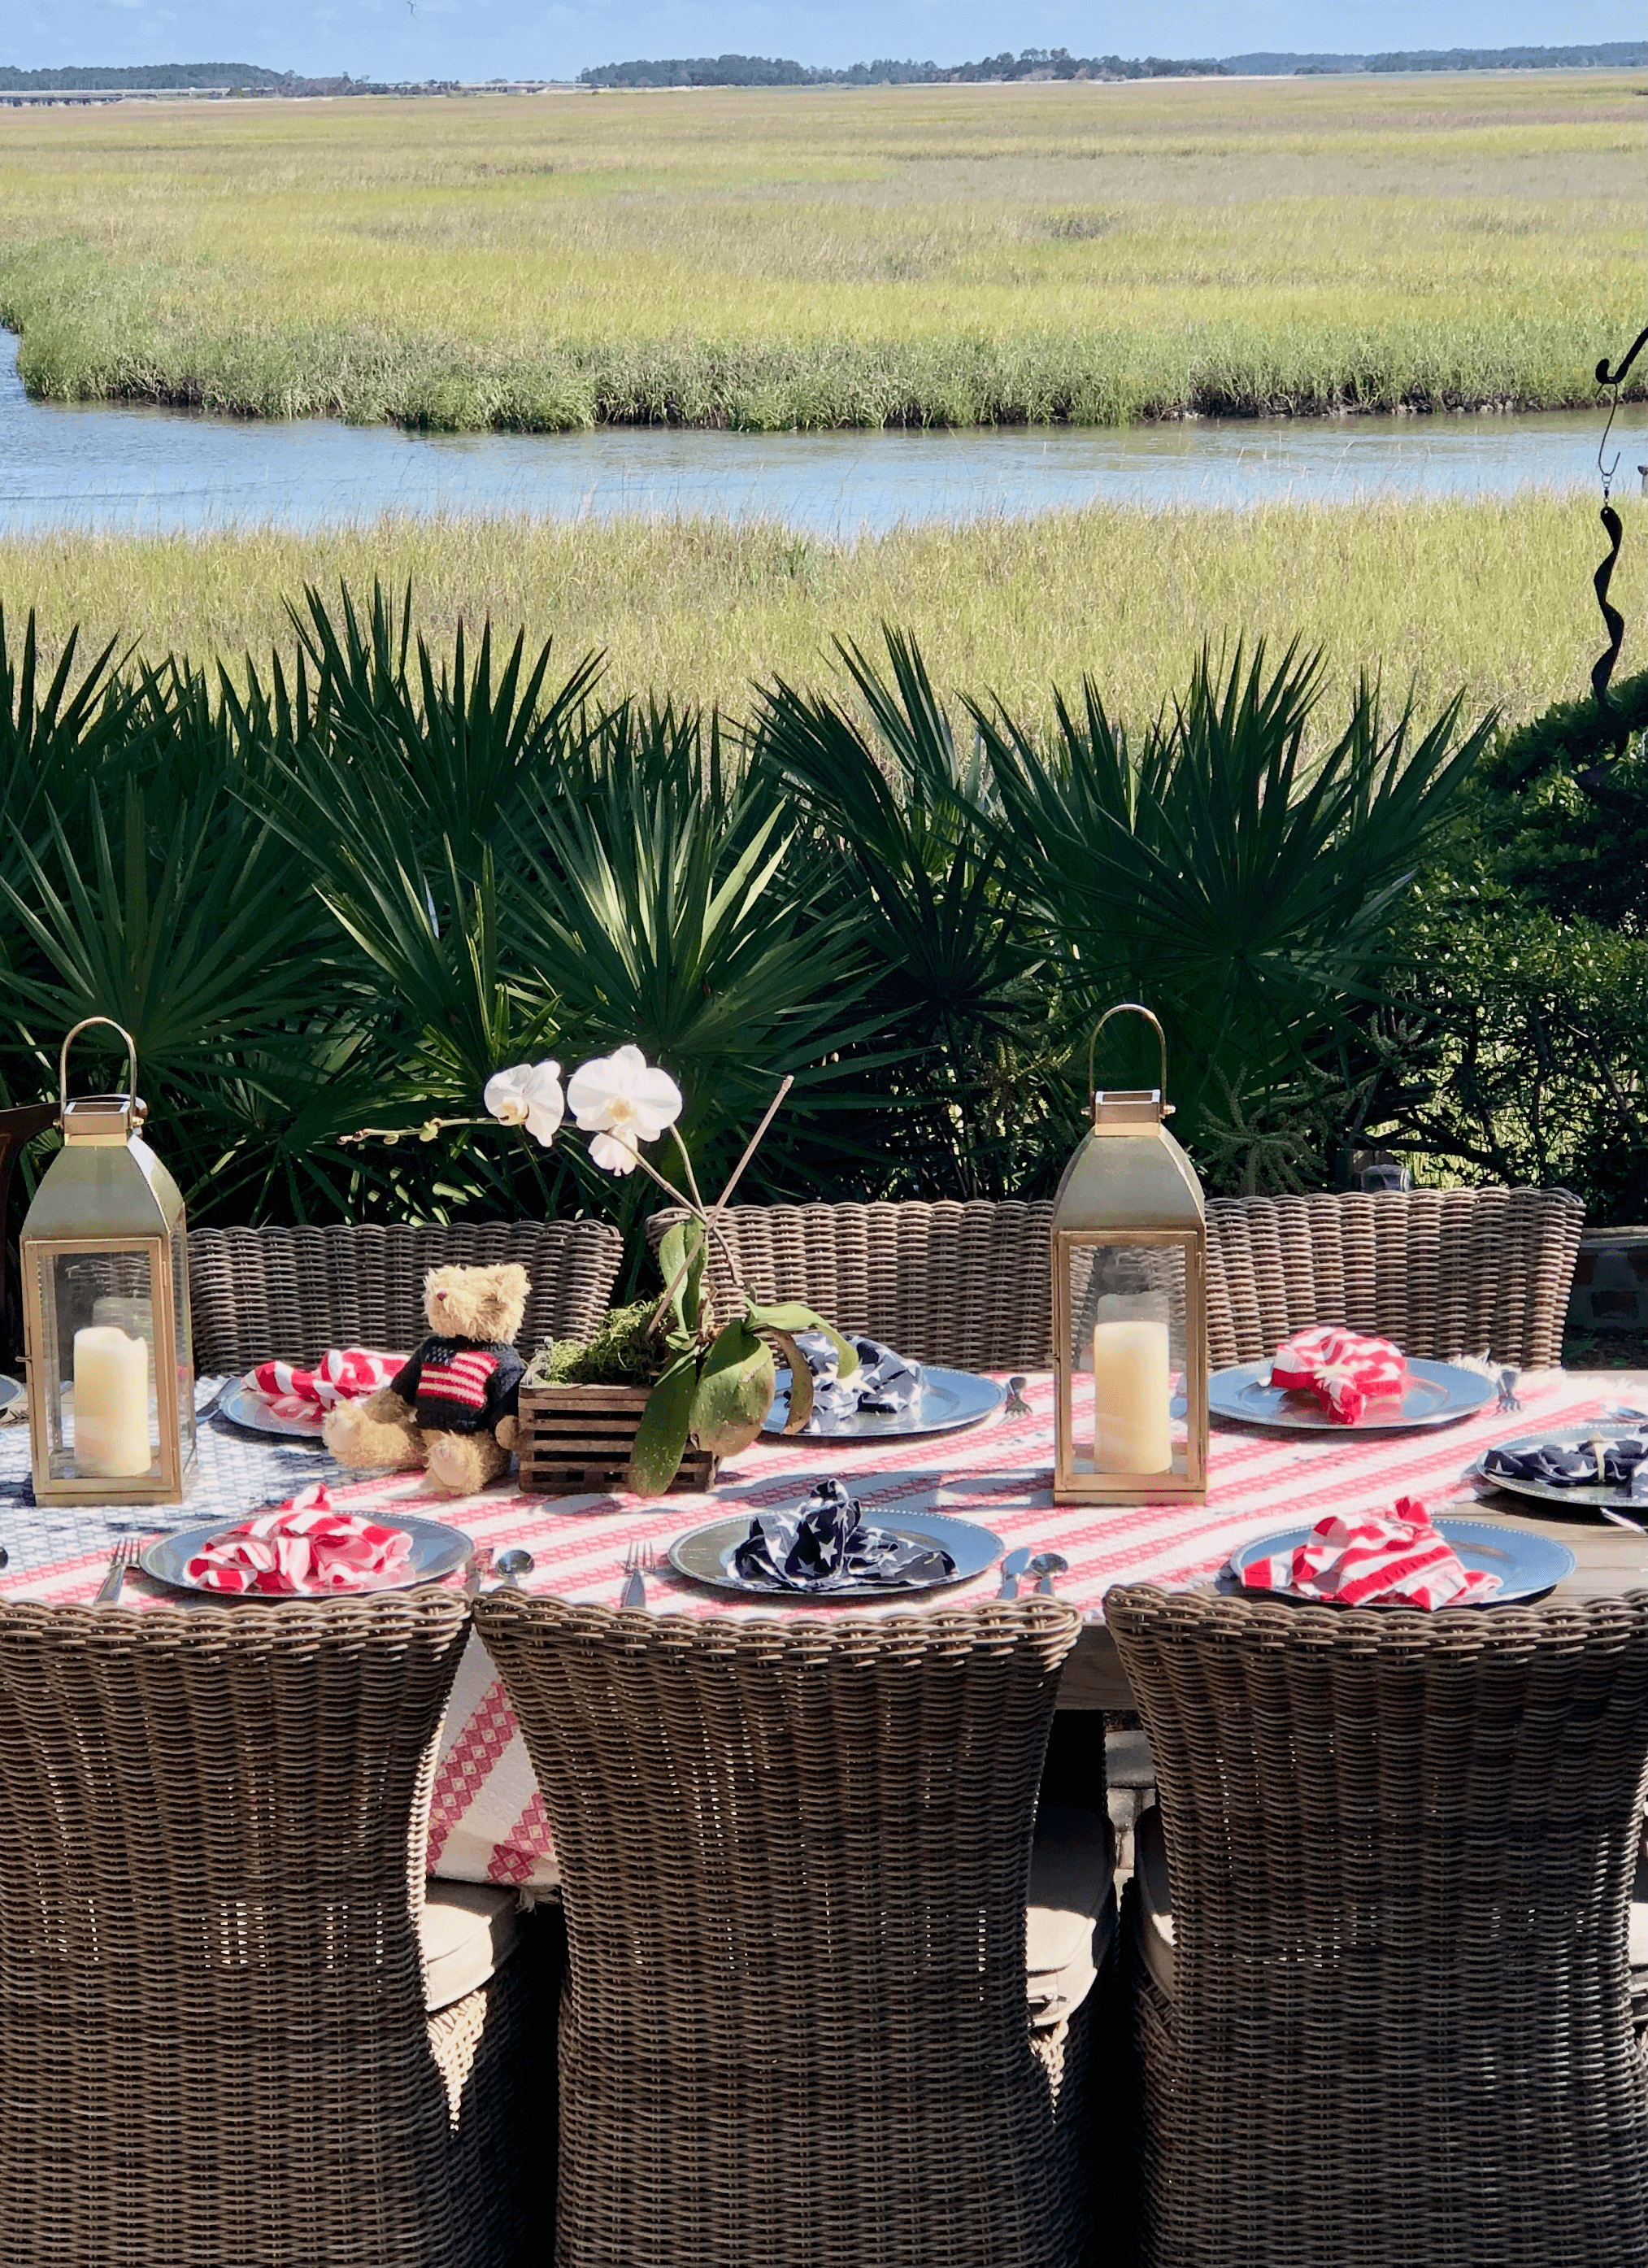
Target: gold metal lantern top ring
105,1311
1129,1301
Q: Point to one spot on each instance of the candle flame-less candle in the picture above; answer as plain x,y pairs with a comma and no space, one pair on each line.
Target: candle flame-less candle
111,1404
1131,1396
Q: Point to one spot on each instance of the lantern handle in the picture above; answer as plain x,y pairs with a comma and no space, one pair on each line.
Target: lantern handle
85,1025
1132,1008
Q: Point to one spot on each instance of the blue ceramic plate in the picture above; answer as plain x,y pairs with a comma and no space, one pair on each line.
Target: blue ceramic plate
949,1401
706,1555
1437,1394
436,1550
1526,1564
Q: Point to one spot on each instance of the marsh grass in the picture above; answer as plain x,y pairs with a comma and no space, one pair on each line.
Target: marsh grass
828,257
1493,596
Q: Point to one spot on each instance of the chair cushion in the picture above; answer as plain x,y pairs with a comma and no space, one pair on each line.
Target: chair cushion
1071,1913
1155,1896
468,1930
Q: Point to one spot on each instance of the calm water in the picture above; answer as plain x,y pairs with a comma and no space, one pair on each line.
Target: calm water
157,469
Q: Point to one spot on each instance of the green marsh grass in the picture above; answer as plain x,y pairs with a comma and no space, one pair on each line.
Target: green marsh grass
1493,596
820,257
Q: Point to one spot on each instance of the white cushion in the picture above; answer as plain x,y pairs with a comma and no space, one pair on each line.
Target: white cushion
468,1930
1155,1896
1070,1914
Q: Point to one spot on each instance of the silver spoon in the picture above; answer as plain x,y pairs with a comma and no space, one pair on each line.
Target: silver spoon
1622,1519
1047,1564
512,1564
1012,1566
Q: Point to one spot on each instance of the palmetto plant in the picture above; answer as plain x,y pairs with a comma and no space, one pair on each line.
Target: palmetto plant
1225,866
909,829
340,890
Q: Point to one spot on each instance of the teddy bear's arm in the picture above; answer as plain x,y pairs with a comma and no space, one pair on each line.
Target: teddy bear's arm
405,1382
503,1387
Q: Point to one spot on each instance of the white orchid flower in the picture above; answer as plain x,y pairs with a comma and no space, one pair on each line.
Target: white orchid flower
528,1095
622,1100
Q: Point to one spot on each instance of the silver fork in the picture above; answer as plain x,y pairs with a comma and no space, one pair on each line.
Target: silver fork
123,1556
1508,1404
640,1561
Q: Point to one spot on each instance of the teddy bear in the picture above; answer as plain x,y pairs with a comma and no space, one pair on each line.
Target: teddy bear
452,1407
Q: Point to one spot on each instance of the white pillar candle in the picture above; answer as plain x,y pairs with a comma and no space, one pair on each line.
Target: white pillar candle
1131,1428
111,1404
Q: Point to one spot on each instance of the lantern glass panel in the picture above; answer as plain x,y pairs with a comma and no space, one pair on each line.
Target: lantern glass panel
1126,1352
101,1409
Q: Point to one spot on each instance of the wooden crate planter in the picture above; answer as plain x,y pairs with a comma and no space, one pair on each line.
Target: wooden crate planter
575,1440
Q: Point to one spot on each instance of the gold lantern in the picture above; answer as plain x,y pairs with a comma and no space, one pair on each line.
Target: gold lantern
106,1309
1130,1303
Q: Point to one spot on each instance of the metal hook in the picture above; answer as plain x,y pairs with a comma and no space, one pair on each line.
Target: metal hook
1606,376
1130,1008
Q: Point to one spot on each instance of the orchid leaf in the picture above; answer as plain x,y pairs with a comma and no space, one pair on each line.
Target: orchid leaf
735,1391
686,1298
790,1316
660,1441
800,1378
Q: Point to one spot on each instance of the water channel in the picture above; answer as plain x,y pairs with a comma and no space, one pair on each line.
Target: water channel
134,469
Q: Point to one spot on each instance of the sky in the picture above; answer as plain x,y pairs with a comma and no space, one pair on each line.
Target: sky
486,38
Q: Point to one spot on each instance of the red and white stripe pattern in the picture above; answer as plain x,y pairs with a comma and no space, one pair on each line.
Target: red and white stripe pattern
341,1374
464,1378
1344,1370
483,1824
1397,1561
303,1547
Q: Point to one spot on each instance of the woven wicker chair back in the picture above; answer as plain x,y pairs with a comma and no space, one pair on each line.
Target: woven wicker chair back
1443,1272
1401,1848
261,1294
963,1284
213,2045
794,1857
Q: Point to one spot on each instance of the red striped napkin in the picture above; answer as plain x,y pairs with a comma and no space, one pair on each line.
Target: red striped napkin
1343,1369
302,1547
341,1374
1395,1559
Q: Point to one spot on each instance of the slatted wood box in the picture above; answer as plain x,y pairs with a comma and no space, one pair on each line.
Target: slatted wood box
575,1440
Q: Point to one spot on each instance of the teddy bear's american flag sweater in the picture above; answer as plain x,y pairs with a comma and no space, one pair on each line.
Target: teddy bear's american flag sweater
461,1386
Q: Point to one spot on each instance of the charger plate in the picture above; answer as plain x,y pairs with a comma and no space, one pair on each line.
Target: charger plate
1583,1497
1438,1393
949,1401
1526,1563
705,1555
12,1391
243,1405
436,1550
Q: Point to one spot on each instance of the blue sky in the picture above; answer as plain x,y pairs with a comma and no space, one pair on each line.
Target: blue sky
481,38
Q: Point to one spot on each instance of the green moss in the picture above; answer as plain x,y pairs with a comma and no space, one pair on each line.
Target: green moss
622,1353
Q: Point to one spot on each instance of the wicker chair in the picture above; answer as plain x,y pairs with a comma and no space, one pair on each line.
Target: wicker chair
256,1293
966,1285
794,1857
1446,1272
1386,2018
18,1129
214,2044
1443,1272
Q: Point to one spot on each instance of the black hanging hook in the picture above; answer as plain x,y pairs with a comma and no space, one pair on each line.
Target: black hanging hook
1602,670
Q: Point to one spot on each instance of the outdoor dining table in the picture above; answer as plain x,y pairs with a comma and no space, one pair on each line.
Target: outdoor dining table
487,1819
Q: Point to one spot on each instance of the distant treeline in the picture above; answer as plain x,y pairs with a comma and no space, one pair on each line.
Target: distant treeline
777,70
160,79
1058,62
